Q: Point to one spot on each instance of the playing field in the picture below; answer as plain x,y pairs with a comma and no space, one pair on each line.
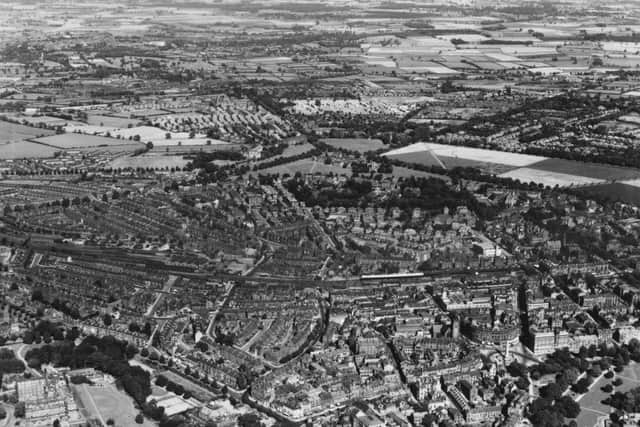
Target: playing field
104,403
361,145
550,179
14,132
305,166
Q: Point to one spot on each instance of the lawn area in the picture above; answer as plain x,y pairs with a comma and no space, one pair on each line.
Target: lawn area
107,402
361,145
591,402
305,166
14,132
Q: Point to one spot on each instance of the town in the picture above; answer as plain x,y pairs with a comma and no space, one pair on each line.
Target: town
313,213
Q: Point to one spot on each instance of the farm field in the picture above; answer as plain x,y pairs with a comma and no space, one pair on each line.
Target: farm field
10,132
590,170
110,121
550,179
107,402
23,149
361,145
69,141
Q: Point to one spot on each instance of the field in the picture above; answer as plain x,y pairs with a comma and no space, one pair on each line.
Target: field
110,121
355,144
590,170
11,132
149,160
70,141
591,402
106,403
492,168
550,179
616,191
305,166
484,155
424,158
25,149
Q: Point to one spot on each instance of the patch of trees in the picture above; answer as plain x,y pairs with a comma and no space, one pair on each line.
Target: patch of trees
9,364
106,354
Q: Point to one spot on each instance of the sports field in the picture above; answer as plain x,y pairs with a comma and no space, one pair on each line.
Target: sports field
105,403
361,145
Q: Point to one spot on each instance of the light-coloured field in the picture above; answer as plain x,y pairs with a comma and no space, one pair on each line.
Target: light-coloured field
550,179
104,403
469,153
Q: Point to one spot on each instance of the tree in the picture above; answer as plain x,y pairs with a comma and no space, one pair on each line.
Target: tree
107,319
582,386
144,352
110,422
568,407
56,423
19,410
139,419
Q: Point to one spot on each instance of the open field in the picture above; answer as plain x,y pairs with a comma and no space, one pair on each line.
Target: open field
625,192
550,179
489,167
355,144
480,155
11,132
591,402
590,170
484,155
69,141
110,121
424,158
149,160
26,149
305,166
107,402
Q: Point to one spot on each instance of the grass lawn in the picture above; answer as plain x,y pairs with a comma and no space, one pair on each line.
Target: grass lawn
591,402
107,402
361,145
